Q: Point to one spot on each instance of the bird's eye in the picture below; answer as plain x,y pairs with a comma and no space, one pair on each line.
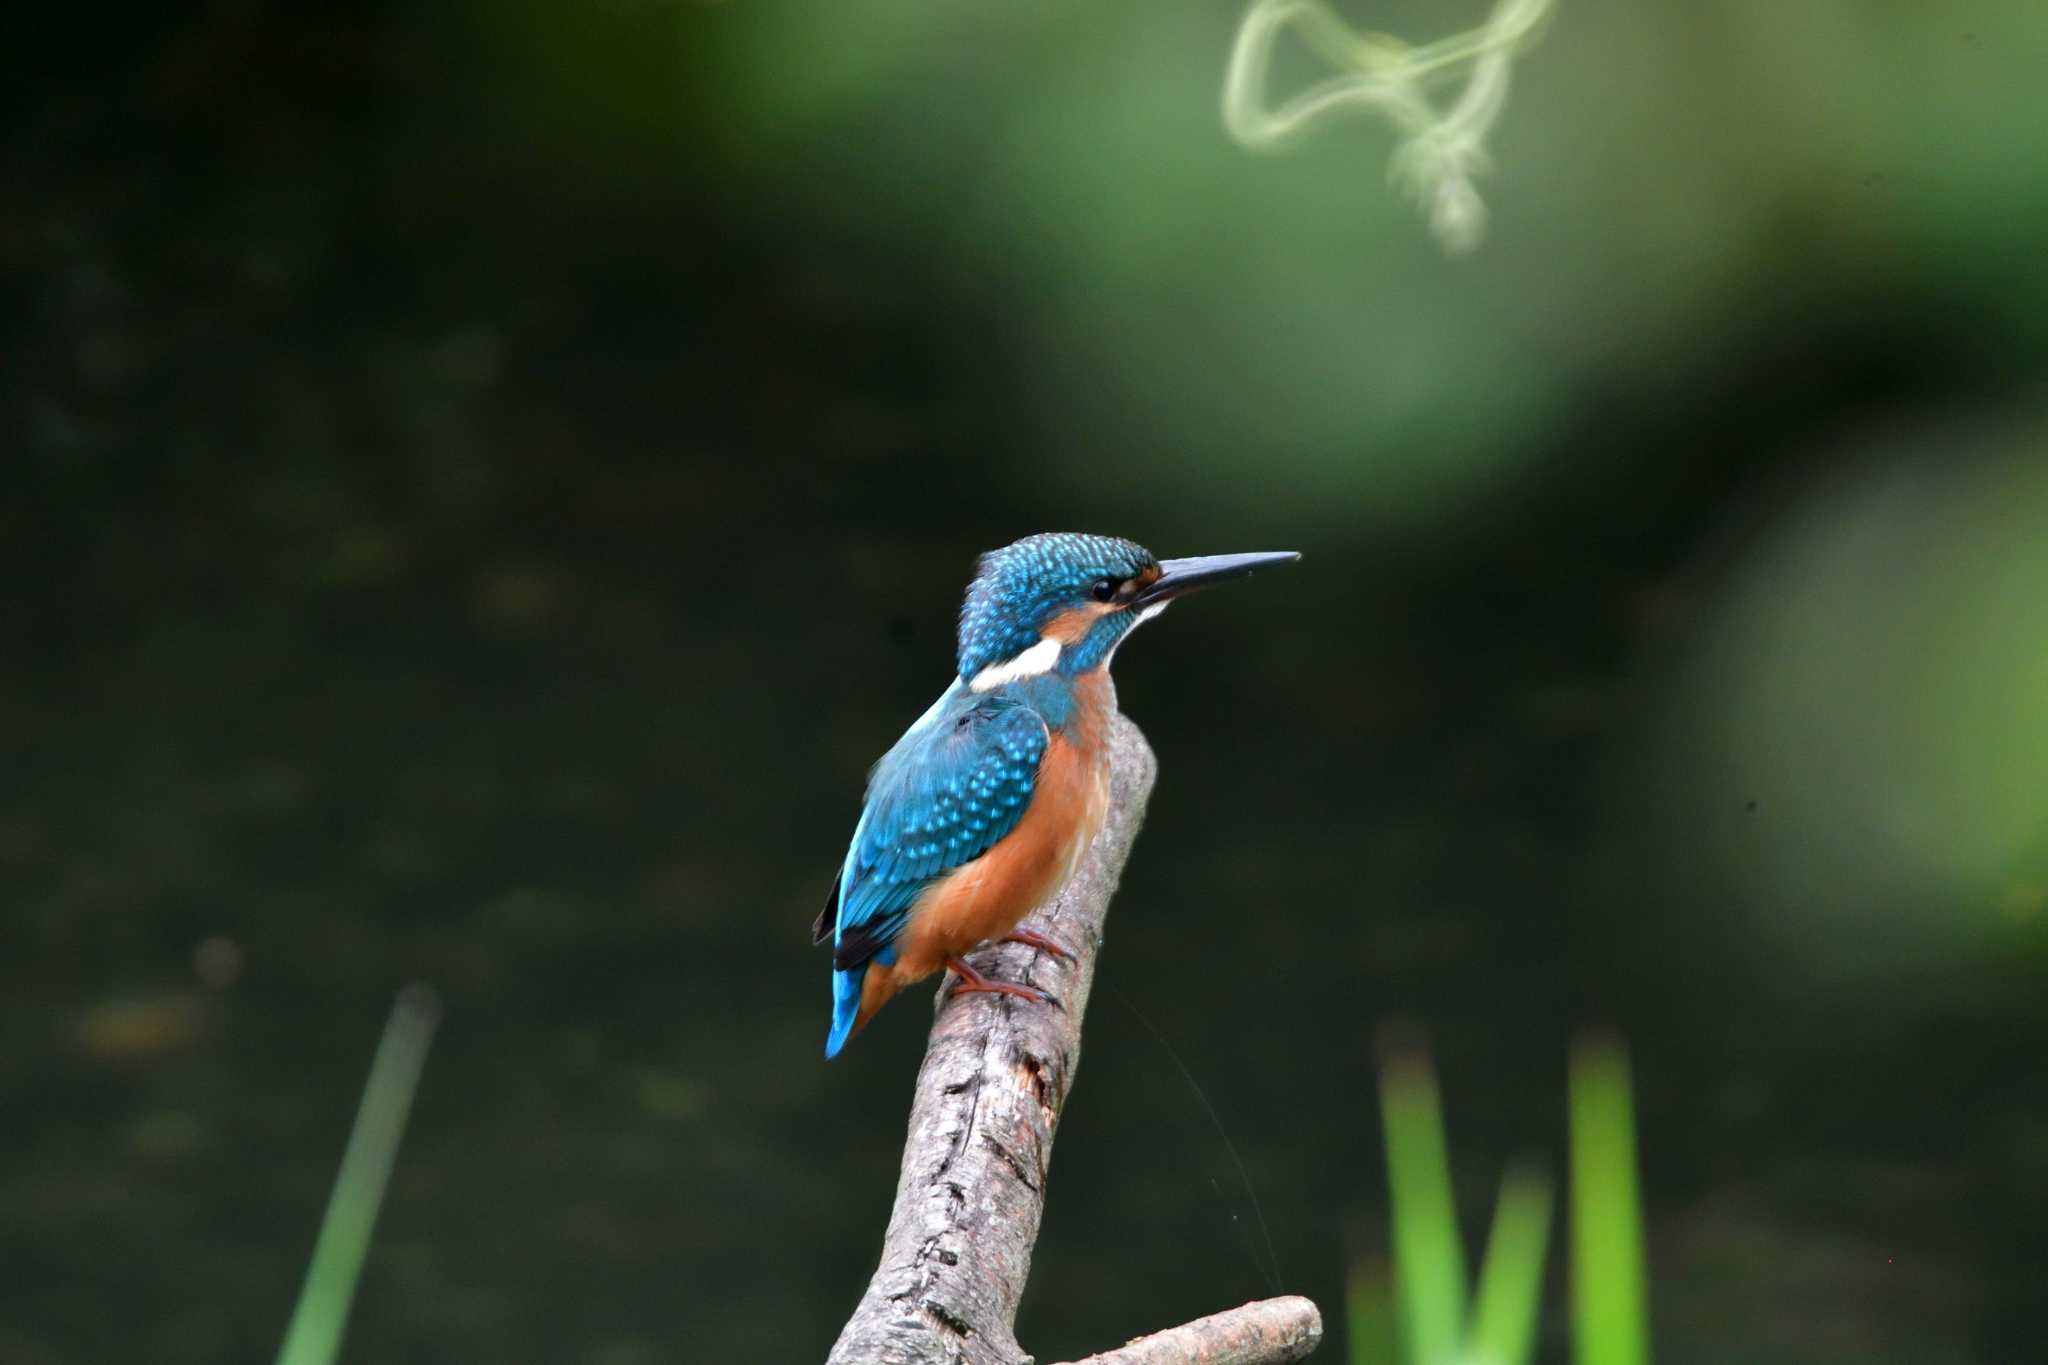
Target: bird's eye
1102,589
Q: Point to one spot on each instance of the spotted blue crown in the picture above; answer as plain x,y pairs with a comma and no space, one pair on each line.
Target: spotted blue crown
1021,585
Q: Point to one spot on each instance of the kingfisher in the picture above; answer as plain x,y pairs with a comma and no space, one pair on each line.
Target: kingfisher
984,807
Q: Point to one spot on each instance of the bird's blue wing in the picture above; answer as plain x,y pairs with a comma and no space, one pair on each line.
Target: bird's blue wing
942,797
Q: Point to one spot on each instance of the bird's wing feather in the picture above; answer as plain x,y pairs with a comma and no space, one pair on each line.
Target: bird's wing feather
941,798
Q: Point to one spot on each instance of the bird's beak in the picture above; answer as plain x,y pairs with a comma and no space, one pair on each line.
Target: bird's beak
1178,576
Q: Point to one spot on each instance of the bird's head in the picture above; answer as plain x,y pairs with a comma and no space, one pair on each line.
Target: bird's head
1062,602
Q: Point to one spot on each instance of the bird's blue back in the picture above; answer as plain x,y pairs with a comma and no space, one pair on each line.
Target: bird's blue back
953,785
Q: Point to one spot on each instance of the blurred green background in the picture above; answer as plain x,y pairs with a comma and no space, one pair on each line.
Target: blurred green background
483,481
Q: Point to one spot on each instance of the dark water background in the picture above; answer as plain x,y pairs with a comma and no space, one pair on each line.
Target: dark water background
481,485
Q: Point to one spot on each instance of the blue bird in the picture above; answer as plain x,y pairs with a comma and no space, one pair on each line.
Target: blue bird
983,809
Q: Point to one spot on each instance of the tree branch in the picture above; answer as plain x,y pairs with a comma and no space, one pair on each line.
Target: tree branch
1270,1332
996,1074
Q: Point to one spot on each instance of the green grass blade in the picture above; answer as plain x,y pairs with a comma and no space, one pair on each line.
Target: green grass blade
1610,1316
314,1336
1371,1334
1429,1261
1509,1302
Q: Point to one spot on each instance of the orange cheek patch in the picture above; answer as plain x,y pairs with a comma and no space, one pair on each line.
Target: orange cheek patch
1071,627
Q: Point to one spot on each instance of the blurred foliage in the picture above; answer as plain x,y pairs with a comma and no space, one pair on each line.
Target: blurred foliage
1419,1313
1871,671
313,1337
1610,1320
485,480
1428,1280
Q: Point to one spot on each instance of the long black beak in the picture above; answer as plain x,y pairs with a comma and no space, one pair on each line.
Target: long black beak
1179,576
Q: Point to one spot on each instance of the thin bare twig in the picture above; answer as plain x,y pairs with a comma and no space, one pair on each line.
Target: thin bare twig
1269,1332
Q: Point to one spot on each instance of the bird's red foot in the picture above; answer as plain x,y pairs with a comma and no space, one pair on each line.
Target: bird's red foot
1039,941
972,982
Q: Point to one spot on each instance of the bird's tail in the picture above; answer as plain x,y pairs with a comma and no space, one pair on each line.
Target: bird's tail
846,993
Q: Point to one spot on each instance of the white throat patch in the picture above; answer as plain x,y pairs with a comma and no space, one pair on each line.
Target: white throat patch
1040,658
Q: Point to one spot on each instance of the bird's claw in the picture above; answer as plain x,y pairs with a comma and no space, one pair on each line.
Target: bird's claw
1039,941
972,982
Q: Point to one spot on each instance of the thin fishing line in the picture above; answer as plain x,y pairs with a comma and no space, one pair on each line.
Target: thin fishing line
1271,1266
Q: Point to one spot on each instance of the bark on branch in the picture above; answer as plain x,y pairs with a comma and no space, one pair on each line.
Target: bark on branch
1264,1333
972,1189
